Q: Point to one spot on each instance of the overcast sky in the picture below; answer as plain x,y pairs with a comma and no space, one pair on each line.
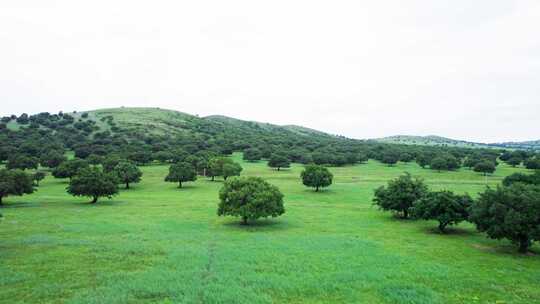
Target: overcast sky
457,68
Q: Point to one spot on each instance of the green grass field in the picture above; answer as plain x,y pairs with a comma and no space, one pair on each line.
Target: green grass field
156,243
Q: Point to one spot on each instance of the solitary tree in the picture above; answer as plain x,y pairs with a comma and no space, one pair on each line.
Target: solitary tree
215,166
250,198
94,183
181,172
38,176
511,212
444,206
232,169
316,176
14,182
252,154
400,194
484,167
127,172
279,161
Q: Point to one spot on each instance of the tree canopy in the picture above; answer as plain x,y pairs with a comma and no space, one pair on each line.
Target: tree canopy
93,182
444,206
180,173
278,161
127,172
250,198
316,176
511,212
400,194
15,182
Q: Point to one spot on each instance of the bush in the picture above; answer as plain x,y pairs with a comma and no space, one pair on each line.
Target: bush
511,212
250,198
400,194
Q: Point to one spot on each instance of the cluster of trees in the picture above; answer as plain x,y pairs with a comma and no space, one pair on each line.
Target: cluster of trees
510,211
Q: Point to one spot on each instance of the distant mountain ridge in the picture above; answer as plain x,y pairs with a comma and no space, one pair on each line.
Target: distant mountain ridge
434,140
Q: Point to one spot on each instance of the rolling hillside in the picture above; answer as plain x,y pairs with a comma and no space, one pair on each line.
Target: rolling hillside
430,140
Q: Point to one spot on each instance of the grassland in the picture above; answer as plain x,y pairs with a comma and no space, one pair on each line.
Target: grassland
158,244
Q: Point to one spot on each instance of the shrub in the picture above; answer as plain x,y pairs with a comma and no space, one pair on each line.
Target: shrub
444,206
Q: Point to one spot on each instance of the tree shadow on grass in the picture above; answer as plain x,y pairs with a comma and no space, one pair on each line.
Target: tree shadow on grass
269,224
18,205
449,231
507,249
101,202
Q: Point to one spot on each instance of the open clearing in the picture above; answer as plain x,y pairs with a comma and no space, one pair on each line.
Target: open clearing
156,243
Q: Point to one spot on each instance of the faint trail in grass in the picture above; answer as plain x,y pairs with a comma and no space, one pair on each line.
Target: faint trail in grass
207,273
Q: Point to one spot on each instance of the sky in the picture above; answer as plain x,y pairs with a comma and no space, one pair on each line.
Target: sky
363,69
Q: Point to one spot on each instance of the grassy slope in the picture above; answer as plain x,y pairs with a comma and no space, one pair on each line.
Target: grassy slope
159,244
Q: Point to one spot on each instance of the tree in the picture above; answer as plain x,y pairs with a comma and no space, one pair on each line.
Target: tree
94,183
484,167
406,157
514,161
181,172
316,176
15,182
252,154
215,166
23,162
279,161
163,156
250,198
529,179
232,169
511,212
52,159
400,194
127,172
110,162
70,168
532,163
390,157
438,164
444,206
38,176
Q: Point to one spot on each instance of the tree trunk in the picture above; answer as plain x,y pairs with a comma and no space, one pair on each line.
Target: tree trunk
405,213
317,189
225,177
278,168
524,244
1,204
127,185
442,226
212,178
244,220
179,184
94,200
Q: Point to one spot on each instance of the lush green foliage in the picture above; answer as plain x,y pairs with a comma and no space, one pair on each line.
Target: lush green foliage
443,206
180,173
69,168
278,161
127,172
316,176
14,182
94,183
484,167
38,176
400,194
250,198
511,212
154,244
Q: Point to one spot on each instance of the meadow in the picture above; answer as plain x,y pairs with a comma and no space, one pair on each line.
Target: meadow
156,243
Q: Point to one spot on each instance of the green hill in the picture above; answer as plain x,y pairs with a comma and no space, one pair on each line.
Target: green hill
430,140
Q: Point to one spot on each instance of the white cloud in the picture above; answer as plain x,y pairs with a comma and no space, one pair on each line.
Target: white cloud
463,69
